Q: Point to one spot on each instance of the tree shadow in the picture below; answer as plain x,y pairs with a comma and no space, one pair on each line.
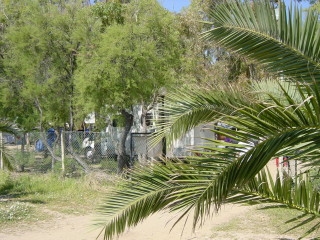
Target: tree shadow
17,198
33,201
298,221
9,197
273,207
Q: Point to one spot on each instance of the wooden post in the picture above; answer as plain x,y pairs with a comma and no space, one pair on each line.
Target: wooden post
1,152
62,151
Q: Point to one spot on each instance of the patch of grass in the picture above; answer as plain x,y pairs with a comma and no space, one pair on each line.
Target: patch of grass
54,192
6,183
270,219
109,165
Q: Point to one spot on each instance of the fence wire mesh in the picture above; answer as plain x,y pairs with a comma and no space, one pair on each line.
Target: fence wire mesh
141,149
73,152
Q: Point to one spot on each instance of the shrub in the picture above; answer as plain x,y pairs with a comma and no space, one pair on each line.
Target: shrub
6,182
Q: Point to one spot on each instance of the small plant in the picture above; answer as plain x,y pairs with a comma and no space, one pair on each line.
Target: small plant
15,211
6,183
109,165
21,160
72,168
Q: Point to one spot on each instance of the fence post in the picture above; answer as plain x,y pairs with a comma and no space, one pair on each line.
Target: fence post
1,152
62,151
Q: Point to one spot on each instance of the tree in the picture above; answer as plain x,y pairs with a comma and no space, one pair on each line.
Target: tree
41,41
282,123
128,64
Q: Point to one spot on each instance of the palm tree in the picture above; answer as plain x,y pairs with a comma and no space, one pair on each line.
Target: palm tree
285,122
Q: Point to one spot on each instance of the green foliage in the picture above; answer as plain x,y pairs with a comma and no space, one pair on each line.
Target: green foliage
41,45
315,178
30,196
21,159
206,63
48,187
110,164
139,53
298,192
287,46
315,6
71,168
6,183
109,13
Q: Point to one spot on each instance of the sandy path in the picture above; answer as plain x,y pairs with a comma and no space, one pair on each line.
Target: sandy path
154,228
157,227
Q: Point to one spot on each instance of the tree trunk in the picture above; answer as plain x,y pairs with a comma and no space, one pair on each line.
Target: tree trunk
123,159
144,156
144,119
28,142
71,115
21,163
23,139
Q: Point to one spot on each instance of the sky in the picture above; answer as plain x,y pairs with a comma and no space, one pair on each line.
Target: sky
174,5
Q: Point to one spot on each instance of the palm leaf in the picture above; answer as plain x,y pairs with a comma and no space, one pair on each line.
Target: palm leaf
6,160
184,110
302,195
197,184
200,183
288,46
135,199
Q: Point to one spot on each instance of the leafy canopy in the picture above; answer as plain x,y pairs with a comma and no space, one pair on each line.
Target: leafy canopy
130,61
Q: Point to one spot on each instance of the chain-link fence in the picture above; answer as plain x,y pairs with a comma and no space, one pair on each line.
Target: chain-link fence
141,149
29,152
73,152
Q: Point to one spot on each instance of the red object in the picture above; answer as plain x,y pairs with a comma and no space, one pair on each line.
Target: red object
277,162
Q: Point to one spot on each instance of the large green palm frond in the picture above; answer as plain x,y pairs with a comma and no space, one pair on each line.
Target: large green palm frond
149,190
190,185
197,184
277,127
263,89
200,183
288,45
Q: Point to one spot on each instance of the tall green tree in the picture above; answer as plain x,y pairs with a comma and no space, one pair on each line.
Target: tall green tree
128,65
286,123
42,40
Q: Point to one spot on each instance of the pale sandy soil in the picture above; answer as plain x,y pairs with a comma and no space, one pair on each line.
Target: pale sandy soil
156,227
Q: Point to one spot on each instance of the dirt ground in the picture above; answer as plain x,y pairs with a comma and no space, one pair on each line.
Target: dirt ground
156,227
